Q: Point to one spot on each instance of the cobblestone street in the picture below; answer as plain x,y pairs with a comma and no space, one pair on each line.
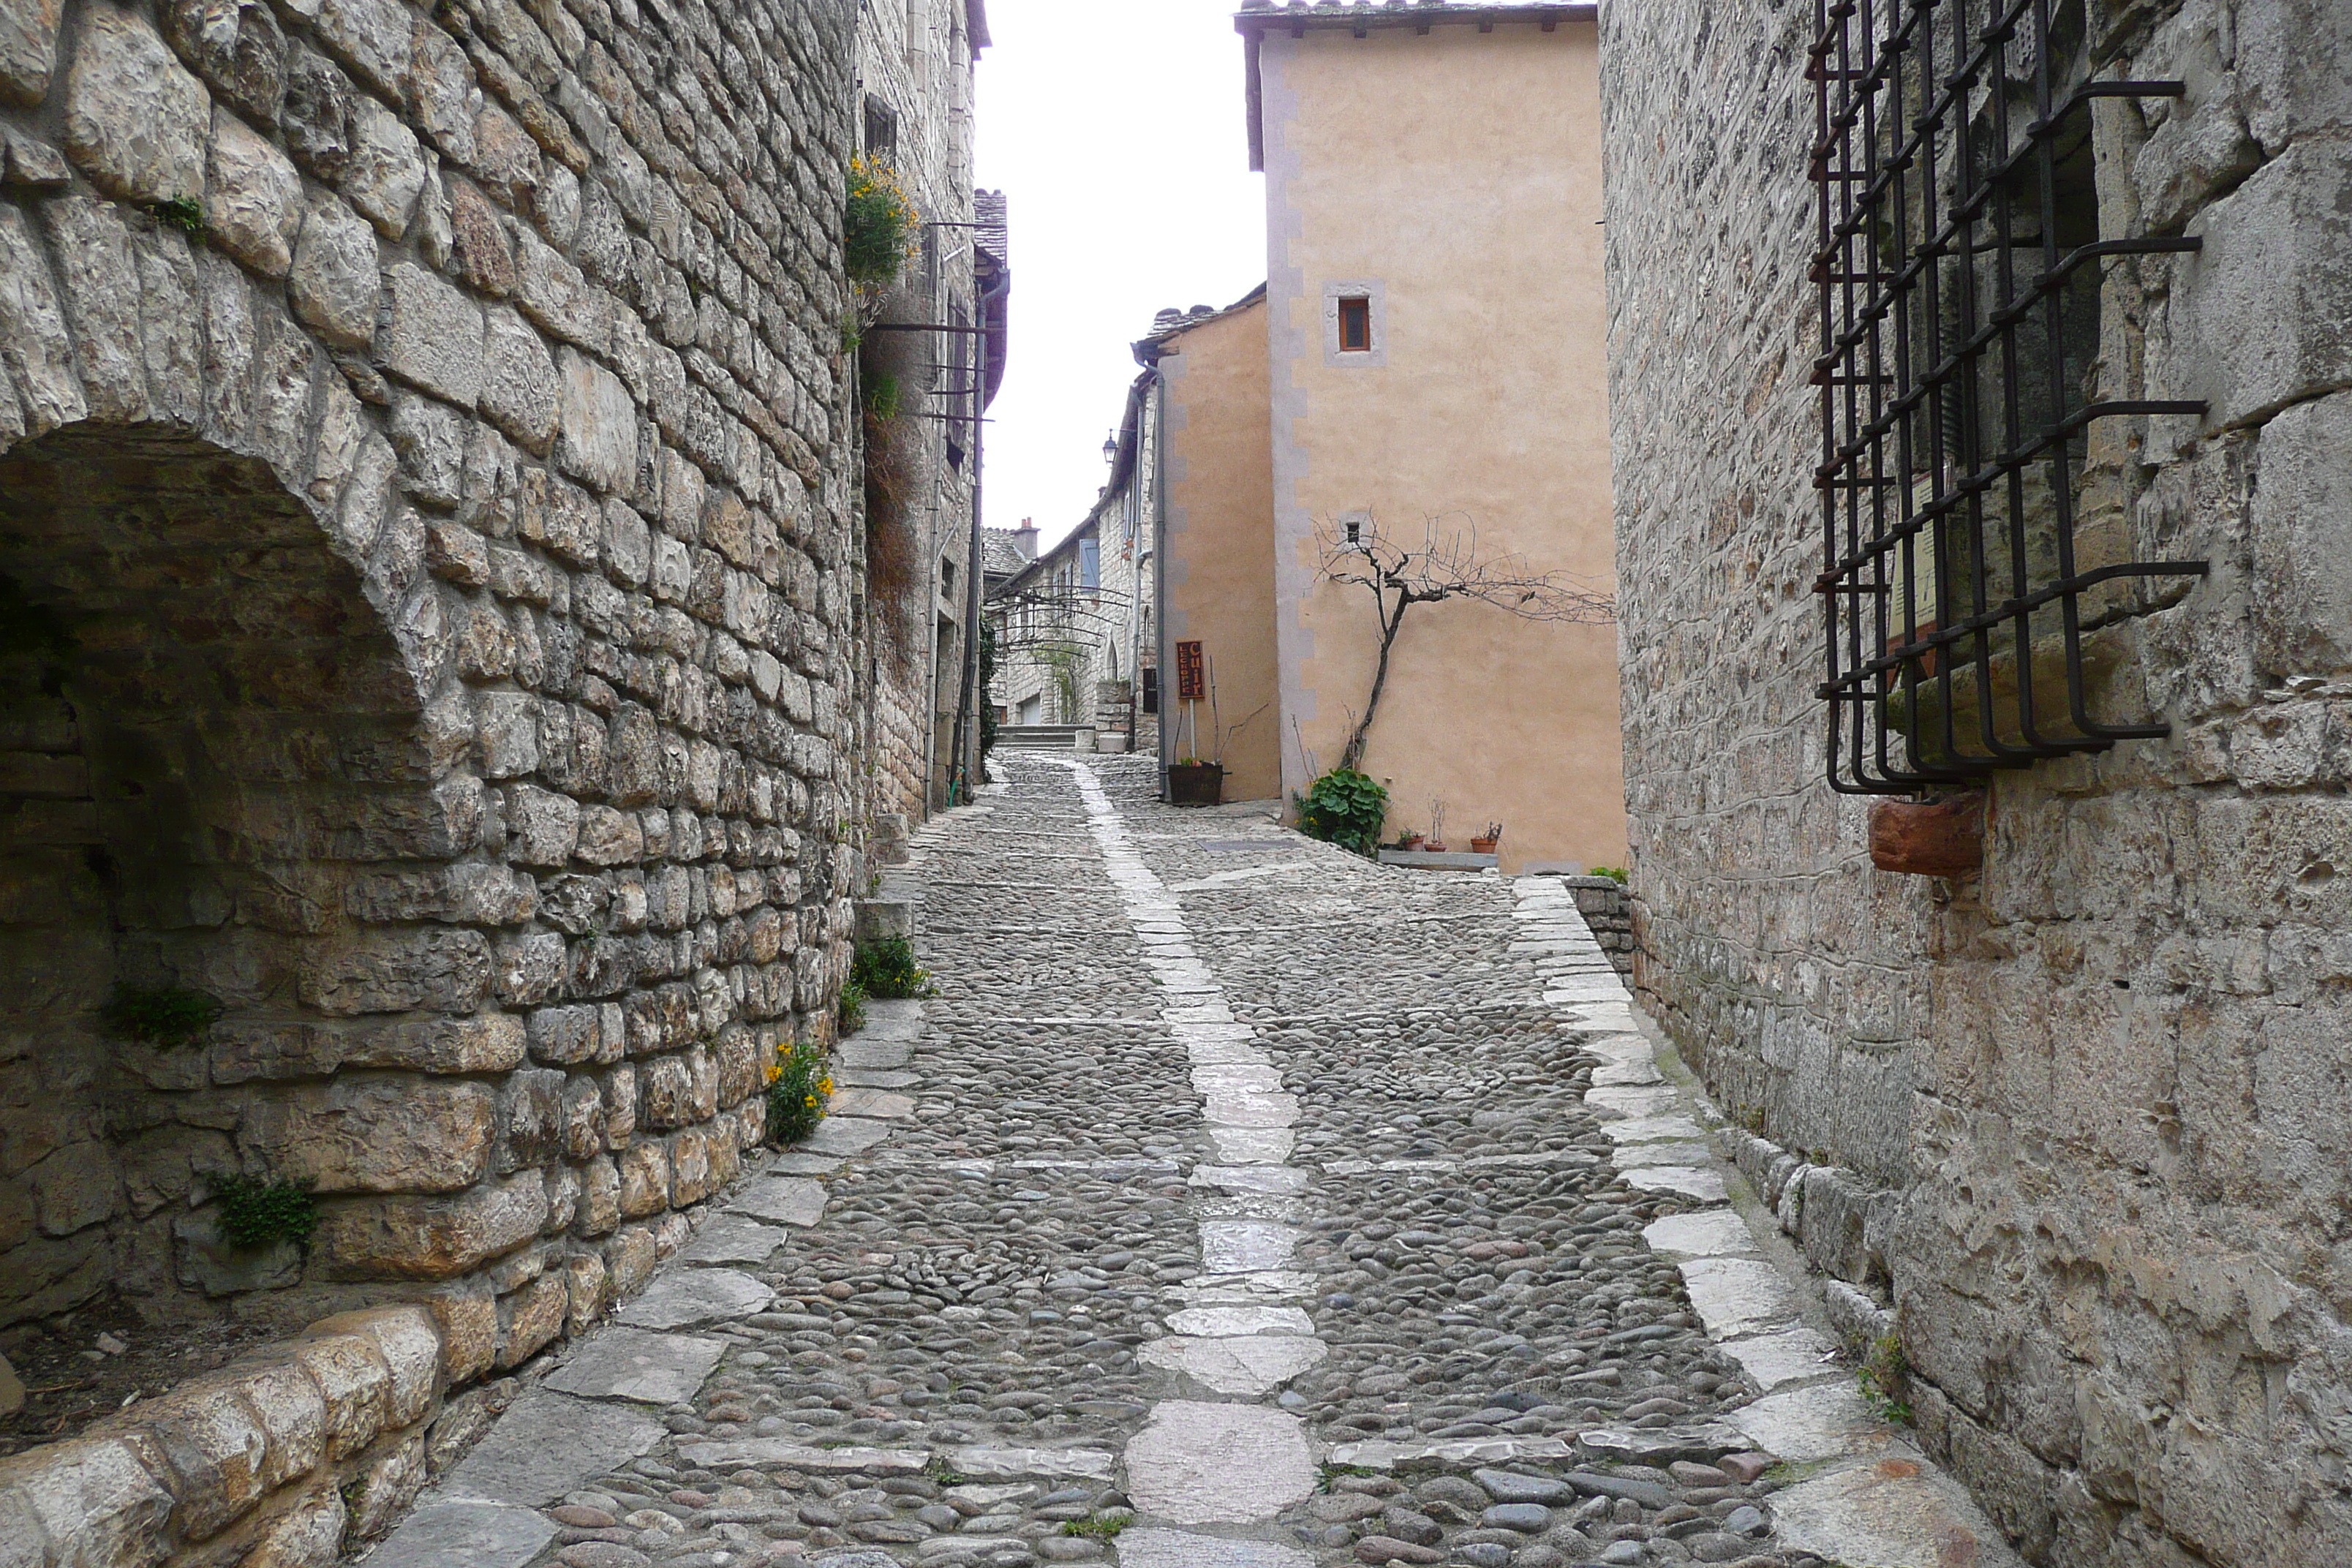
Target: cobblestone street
1235,1203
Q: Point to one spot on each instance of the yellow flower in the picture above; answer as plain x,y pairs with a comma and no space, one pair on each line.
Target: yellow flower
825,1085
810,1102
775,1071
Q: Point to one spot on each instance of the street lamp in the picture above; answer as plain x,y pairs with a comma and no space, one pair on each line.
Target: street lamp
1111,447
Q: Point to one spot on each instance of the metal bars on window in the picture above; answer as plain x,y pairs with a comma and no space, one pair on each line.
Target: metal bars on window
1959,266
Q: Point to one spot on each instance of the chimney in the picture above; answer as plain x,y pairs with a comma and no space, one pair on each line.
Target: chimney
1025,540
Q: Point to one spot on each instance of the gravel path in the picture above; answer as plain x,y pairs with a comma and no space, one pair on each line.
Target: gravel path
1235,1203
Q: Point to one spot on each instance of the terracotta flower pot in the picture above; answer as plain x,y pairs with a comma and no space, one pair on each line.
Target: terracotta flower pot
1484,846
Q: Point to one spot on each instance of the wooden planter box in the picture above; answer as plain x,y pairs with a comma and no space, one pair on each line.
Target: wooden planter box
1203,784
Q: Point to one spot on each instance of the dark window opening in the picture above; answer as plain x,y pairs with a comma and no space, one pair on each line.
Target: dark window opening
1959,261
881,129
1150,689
1355,325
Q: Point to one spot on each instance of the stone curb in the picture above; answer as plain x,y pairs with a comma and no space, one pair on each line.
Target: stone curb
269,1458
1863,1494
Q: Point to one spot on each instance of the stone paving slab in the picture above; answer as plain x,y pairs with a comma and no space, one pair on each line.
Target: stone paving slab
1218,1464
1712,1233
857,1051
846,1135
630,1364
800,1162
1806,1425
1081,1464
1787,1356
1894,1513
1241,1245
1735,1296
1379,1455
1181,1548
546,1444
1252,1365
1252,1145
869,1078
873,1102
452,1530
733,1238
1225,1323
735,1452
782,1200
1695,1181
690,1297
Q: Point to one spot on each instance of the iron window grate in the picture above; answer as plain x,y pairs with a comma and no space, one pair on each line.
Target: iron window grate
1959,272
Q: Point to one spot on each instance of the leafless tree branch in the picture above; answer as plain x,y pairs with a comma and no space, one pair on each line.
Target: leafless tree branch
1446,564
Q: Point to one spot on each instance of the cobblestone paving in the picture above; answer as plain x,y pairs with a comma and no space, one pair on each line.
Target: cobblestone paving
1235,1203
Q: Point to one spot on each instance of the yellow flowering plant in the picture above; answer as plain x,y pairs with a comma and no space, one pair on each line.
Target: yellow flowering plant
881,227
798,1083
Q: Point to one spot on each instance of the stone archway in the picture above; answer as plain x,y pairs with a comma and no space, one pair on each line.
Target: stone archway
211,770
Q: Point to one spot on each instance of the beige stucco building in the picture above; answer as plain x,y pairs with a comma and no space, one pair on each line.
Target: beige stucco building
1211,368
1433,341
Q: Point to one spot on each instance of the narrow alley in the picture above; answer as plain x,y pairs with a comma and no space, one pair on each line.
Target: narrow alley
1234,1204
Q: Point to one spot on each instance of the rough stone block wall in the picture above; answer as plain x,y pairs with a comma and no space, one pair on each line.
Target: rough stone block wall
1607,910
2087,1108
427,528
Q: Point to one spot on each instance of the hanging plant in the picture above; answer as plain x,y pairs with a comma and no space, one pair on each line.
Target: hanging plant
881,228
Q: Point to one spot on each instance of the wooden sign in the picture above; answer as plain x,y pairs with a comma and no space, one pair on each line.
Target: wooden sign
1192,682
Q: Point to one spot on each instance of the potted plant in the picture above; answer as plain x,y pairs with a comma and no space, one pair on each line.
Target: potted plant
1436,844
1191,782
1409,839
1484,843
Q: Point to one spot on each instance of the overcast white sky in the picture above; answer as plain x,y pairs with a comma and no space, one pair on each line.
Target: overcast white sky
1114,127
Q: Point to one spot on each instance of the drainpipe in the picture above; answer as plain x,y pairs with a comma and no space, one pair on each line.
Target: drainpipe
968,710
1163,650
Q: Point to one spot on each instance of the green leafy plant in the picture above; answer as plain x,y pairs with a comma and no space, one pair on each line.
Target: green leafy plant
1327,1473
1886,1381
255,1213
886,968
852,1015
1616,874
800,1081
879,225
1344,807
987,684
184,213
883,394
1098,1528
162,1015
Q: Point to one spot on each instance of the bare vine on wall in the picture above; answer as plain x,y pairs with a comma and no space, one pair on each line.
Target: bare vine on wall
1446,564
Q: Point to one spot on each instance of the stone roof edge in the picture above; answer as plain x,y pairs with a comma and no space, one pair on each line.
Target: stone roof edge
1147,345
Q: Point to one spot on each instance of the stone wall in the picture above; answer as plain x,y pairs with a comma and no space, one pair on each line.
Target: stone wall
428,528
2081,1115
1606,908
915,66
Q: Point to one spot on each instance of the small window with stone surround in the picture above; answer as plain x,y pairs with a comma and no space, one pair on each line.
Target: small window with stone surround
1355,324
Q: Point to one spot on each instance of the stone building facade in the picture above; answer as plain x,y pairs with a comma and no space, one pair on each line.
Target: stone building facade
428,518
1074,625
2079,1115
931,357
1218,540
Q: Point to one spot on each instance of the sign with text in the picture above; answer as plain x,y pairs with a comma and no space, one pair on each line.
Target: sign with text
1192,681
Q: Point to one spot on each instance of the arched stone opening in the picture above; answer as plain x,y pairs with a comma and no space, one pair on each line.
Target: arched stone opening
212,779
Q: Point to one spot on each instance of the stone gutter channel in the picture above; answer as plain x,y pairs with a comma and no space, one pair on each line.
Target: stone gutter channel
1208,1478
1869,1498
